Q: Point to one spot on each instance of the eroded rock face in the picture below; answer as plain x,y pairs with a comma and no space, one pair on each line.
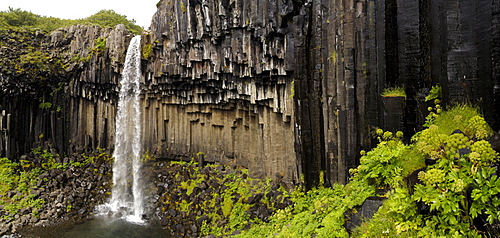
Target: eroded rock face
71,104
219,80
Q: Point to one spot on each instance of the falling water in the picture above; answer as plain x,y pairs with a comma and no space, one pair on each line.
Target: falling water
127,194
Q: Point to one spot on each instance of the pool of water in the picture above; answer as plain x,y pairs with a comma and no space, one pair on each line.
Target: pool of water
99,227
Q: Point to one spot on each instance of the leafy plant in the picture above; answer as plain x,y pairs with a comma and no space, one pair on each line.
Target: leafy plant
388,163
147,50
315,213
100,44
45,105
7,176
22,182
460,186
434,93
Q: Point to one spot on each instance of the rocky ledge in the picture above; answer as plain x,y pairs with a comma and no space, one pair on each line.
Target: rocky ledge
52,189
185,198
212,200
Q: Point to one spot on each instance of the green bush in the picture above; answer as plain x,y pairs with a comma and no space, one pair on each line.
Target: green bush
22,182
460,186
315,213
17,18
227,202
8,180
388,163
20,178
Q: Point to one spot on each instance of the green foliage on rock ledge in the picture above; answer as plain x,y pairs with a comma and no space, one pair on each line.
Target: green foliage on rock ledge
216,199
459,187
394,92
17,18
109,18
27,65
20,180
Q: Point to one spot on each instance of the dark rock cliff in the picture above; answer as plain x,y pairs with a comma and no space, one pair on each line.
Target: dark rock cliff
285,88
60,88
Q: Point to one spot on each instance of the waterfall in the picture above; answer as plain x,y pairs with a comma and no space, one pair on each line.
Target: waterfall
127,193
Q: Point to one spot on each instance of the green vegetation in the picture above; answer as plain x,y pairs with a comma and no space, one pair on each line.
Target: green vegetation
147,50
460,185
19,180
158,3
100,44
183,7
45,105
109,18
99,47
17,18
434,93
394,92
233,198
37,65
386,165
458,188
28,65
12,178
316,213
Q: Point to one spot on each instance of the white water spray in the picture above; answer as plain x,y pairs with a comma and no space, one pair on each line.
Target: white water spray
127,192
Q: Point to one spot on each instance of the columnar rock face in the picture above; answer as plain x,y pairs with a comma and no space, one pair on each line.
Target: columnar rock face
285,88
218,80
72,104
334,58
362,47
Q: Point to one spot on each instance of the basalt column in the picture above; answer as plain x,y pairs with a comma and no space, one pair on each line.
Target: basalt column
219,83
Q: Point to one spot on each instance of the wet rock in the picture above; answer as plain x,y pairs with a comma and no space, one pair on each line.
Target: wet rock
369,207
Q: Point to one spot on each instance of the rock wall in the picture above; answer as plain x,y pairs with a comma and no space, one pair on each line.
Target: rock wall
72,105
361,47
219,80
285,88
337,55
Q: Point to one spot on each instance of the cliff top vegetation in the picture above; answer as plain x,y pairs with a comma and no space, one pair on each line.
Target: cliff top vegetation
17,18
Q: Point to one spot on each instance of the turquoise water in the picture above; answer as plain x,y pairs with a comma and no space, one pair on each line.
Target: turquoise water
99,227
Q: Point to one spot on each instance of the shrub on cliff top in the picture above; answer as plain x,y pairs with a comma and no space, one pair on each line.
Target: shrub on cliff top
17,18
109,18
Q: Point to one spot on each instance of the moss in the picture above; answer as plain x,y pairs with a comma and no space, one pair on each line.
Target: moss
464,118
147,50
394,92
292,90
158,3
183,7
100,44
224,198
45,105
